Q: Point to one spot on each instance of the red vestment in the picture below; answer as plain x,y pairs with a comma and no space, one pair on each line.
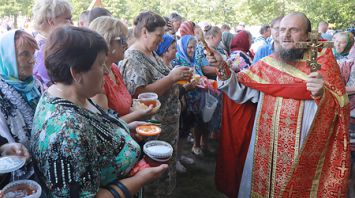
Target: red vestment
236,128
283,167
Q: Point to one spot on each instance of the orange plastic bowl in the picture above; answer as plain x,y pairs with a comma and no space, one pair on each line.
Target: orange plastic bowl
148,130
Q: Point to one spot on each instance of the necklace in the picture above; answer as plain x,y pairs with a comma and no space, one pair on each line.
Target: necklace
74,100
60,90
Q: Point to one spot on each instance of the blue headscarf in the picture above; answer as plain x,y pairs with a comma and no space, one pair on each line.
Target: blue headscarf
182,49
182,53
165,44
9,71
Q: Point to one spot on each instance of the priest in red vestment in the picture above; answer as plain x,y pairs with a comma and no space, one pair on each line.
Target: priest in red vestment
299,145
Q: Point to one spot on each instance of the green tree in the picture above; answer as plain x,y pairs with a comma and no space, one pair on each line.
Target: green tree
253,12
15,8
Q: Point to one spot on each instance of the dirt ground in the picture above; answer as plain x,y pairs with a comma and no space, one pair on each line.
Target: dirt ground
198,181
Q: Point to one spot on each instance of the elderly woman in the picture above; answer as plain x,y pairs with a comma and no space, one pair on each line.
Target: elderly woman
143,71
79,148
343,42
240,57
19,91
167,51
116,96
226,41
195,99
47,15
187,28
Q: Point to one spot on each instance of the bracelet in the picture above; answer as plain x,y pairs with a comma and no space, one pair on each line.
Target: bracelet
114,193
124,189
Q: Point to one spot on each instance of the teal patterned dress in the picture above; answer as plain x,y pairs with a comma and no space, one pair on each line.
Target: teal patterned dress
76,151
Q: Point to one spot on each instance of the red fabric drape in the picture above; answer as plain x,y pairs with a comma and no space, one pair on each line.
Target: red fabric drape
236,128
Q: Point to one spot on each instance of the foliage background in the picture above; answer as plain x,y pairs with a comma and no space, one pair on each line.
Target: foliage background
340,13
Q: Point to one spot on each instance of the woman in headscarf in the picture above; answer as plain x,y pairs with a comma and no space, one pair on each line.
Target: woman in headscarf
185,55
167,51
187,28
343,42
240,56
195,99
226,41
19,91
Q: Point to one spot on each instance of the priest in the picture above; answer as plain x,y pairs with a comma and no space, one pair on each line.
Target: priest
299,145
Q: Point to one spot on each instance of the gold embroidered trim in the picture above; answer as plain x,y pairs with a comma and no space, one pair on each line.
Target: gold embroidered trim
255,77
256,141
275,134
284,67
316,178
298,129
342,100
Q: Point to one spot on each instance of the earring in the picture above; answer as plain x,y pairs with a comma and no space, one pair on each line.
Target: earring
113,51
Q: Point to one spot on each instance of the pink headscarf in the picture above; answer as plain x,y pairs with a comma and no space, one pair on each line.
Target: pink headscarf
241,42
187,28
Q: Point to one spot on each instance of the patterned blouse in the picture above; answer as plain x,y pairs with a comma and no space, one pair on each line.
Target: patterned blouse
16,114
77,151
138,70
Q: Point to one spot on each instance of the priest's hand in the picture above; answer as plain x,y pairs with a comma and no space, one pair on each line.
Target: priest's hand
214,58
315,84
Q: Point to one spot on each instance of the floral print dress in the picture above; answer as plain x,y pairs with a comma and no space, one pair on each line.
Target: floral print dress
239,61
138,70
76,151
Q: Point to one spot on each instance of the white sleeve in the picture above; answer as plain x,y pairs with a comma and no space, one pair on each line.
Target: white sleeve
237,91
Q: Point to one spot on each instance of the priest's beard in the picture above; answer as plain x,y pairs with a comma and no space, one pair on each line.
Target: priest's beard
291,54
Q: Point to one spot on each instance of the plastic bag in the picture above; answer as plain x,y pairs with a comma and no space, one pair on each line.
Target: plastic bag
209,108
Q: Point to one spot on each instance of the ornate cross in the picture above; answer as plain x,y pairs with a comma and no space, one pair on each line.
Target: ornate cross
313,45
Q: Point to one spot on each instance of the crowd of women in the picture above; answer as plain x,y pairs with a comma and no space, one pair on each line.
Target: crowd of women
66,95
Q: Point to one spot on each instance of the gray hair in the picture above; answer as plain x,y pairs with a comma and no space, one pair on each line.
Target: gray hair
109,28
44,10
211,31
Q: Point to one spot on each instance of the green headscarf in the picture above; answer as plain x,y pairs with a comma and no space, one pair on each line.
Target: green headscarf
226,41
349,43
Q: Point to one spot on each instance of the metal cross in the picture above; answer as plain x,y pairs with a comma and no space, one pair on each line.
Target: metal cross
313,45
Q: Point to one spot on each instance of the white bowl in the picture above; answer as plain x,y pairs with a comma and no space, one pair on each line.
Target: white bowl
15,189
148,96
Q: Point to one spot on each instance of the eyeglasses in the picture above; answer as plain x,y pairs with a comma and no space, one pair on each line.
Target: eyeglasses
122,40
